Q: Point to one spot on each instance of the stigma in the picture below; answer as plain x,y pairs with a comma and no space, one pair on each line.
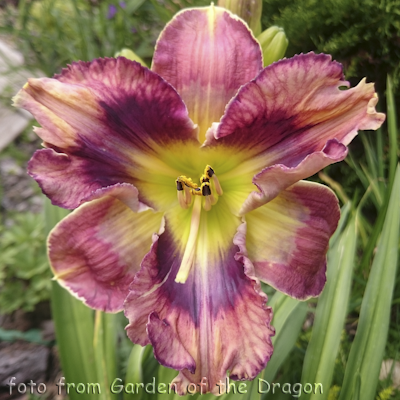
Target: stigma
209,189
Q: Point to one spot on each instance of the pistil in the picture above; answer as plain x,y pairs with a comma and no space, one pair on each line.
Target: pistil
190,250
205,195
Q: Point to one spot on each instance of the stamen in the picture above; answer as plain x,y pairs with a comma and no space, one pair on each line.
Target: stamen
213,199
205,189
187,188
208,171
188,195
207,203
179,185
190,250
181,199
217,185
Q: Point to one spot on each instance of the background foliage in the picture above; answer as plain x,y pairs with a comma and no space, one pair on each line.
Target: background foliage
361,34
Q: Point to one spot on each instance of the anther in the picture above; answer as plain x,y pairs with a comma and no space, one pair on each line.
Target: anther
205,189
209,171
182,195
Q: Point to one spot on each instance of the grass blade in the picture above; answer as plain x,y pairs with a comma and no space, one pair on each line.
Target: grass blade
289,315
134,373
104,344
368,347
393,159
392,130
74,327
331,312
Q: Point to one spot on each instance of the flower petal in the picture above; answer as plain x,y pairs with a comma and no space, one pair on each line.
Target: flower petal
207,54
215,322
97,249
67,179
293,108
287,239
272,180
102,117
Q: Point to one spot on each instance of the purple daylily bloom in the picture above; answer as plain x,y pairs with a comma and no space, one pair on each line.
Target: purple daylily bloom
186,181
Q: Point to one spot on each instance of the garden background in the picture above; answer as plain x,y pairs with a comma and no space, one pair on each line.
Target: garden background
348,339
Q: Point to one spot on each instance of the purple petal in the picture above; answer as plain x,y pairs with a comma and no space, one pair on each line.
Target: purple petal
103,119
97,249
294,107
273,180
287,239
207,54
293,120
215,322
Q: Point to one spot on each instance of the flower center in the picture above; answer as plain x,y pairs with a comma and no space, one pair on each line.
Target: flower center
207,195
209,188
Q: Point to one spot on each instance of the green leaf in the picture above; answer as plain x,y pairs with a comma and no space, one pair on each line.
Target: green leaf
74,328
392,130
331,312
289,315
74,334
393,158
134,373
104,343
368,347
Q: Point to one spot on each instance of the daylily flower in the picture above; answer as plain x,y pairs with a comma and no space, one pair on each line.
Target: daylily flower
186,181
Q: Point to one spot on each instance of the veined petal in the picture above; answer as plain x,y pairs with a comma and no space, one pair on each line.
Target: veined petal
215,322
97,249
273,180
293,108
68,179
207,54
102,119
287,239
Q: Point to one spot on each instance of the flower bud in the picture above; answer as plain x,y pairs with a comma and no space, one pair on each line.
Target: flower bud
130,55
248,10
274,43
